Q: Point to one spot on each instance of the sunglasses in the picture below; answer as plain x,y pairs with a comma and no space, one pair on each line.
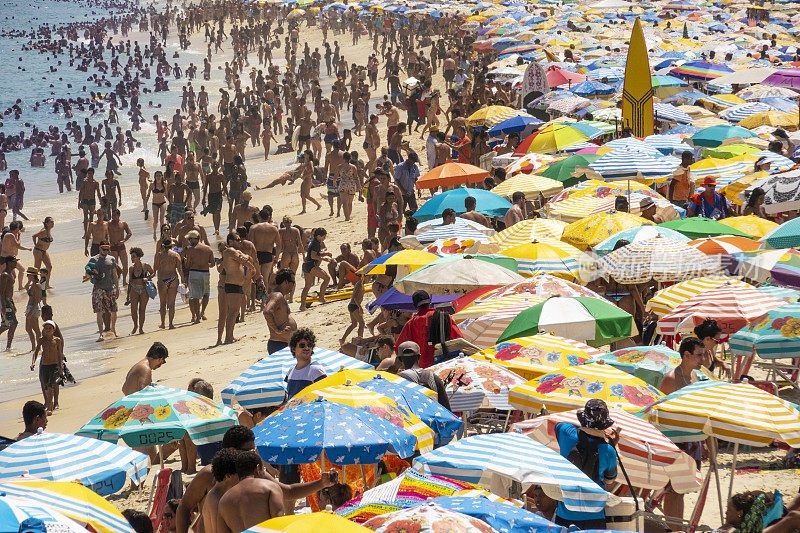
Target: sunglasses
304,345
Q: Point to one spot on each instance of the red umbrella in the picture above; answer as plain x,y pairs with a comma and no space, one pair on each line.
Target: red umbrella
558,76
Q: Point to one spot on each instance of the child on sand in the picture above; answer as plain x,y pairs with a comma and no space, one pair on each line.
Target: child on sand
356,311
51,366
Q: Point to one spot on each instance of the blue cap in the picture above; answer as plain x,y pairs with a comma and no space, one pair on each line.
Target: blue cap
32,525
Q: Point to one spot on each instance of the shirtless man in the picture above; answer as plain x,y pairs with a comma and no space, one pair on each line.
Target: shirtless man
141,374
97,231
194,174
111,193
186,225
304,136
276,312
267,240
223,468
333,161
198,258
515,213
372,141
243,212
51,366
471,214
392,119
213,190
306,171
169,271
234,262
118,233
252,500
88,197
291,244
341,265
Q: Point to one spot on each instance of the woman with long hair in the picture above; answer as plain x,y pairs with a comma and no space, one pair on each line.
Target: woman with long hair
139,274
41,242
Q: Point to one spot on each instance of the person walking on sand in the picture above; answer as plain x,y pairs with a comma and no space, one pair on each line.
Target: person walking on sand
158,188
144,185
104,273
306,171
234,262
139,274
41,242
15,190
277,313
8,311
88,197
198,258
51,365
169,270
33,309
311,267
118,233
97,232
266,237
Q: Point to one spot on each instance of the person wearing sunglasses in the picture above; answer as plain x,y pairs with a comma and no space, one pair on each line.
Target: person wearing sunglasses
304,372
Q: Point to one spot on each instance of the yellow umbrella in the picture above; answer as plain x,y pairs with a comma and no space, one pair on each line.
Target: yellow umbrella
571,387
735,188
546,256
553,138
754,226
774,118
533,357
355,376
309,523
296,13
666,300
532,185
411,259
492,115
528,230
591,230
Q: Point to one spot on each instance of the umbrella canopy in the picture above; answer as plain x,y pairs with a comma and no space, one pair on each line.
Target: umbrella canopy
563,169
648,363
660,259
428,517
546,256
715,135
527,231
637,234
542,286
751,225
625,164
735,412
781,192
494,460
592,320
305,523
531,185
347,435
487,203
772,118
532,357
412,259
263,385
71,499
699,227
666,300
726,244
571,387
781,267
501,516
590,231
733,306
492,115
451,173
774,336
651,459
558,76
472,380
101,466
514,124
14,511
157,415
551,138
459,275
700,70
785,235
789,78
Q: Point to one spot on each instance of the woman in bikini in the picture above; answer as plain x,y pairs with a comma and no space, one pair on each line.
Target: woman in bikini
222,296
167,265
144,185
3,205
158,188
138,274
41,242
34,308
349,184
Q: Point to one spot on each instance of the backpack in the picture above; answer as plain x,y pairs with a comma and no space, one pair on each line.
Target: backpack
586,456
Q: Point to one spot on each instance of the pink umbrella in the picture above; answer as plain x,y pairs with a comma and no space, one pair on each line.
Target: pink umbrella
589,150
558,76
789,77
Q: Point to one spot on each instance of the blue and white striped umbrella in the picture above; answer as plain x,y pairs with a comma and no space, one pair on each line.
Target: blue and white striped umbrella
779,162
634,145
450,231
670,112
623,164
14,511
667,144
737,168
742,111
493,460
102,466
262,384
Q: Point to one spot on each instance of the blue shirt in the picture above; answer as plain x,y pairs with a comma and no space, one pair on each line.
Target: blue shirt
567,436
700,206
298,379
406,176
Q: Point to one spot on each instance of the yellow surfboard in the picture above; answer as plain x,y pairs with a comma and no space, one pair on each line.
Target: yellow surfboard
637,93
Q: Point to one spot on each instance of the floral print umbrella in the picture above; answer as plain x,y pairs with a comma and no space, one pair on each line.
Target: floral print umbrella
648,363
776,335
472,380
572,387
427,518
157,415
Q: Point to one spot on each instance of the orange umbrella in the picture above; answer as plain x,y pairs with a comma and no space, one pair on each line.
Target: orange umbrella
725,244
451,174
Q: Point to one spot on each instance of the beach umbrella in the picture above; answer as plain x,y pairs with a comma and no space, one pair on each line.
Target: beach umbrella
742,111
101,466
781,267
637,234
451,173
773,118
735,190
590,231
651,459
667,144
527,231
734,412
591,320
446,231
411,259
593,88
648,363
660,259
558,76
459,275
531,185
789,78
263,385
492,115
347,435
71,499
700,70
542,285
569,105
306,523
514,124
699,228
785,235
472,381
16,511
541,354
501,516
494,460
294,13
395,300
768,95
781,191
545,256
487,203
666,300
732,306
715,135
528,163
571,387
158,415
434,223
776,335
725,244
563,169
551,138
427,517
457,245
345,376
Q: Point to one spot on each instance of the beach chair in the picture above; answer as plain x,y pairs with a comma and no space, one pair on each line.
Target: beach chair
158,497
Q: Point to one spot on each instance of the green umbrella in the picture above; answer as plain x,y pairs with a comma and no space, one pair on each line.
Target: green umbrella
699,228
562,170
729,151
591,320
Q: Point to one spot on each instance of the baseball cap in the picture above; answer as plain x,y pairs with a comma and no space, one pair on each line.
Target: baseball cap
32,525
420,298
408,348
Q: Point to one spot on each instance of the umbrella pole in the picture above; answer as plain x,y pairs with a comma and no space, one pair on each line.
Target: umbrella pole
712,448
733,469
160,456
363,476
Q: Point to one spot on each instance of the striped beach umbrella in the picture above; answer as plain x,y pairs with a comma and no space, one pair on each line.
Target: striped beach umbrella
742,111
637,234
668,144
542,285
527,231
494,460
634,145
734,412
535,356
651,459
157,415
625,164
667,299
371,402
71,499
532,185
490,318
449,231
102,466
660,259
474,381
732,306
492,115
410,259
589,231
14,511
670,113
700,70
263,385
546,256
776,335
571,387
725,244
779,266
